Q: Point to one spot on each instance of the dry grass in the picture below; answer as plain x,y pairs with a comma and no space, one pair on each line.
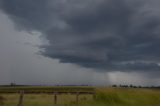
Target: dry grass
104,97
44,99
2,100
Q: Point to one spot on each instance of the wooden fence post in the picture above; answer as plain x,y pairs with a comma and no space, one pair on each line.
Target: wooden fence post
20,103
77,97
55,98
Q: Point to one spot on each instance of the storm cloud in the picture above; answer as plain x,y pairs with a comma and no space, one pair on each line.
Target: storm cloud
105,35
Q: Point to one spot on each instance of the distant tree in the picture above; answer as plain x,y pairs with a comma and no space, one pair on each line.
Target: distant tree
126,86
114,86
131,86
134,86
120,85
12,84
139,86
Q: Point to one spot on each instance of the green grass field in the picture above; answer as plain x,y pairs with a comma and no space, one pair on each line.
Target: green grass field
104,97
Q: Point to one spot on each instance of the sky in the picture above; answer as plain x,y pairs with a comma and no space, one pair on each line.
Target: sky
93,42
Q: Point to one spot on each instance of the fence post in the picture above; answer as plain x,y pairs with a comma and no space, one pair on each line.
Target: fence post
55,98
77,97
20,103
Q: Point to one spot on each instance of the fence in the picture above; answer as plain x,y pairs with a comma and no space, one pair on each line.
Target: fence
55,95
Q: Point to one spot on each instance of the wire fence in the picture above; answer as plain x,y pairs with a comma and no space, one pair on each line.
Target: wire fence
54,99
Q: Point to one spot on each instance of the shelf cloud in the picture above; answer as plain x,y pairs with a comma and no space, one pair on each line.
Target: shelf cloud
106,35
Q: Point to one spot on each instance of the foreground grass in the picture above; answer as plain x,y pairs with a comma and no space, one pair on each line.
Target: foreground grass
103,97
44,99
125,97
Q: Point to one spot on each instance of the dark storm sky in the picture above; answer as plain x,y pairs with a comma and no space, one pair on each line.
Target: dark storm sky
104,35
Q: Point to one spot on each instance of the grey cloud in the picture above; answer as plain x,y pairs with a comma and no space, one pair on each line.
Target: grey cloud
102,34
28,14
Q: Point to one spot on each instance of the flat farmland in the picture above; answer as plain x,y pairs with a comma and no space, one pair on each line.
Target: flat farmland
104,96
46,89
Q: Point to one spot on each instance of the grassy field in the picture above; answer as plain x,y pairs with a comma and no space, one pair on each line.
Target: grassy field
104,97
45,89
